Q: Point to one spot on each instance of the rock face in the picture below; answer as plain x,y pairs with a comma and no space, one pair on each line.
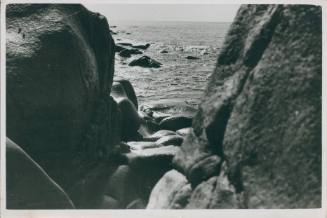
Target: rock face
256,139
60,65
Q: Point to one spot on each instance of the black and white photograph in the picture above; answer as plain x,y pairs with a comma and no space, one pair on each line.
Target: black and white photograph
124,106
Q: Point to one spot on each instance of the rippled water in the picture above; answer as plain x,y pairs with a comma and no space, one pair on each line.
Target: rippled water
179,80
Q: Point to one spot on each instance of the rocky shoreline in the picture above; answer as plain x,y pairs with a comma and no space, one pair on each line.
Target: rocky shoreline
86,143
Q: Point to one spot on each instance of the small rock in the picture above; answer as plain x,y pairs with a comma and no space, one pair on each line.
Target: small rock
124,44
170,140
192,58
119,48
147,45
140,145
163,51
145,61
157,116
129,52
204,52
125,53
184,131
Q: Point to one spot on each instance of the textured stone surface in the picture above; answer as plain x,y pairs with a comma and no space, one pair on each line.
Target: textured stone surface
274,132
261,114
59,63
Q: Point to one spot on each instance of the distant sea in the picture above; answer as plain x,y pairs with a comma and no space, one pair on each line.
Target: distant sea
178,80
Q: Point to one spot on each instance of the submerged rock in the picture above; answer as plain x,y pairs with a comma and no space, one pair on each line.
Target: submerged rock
163,51
192,57
145,61
147,45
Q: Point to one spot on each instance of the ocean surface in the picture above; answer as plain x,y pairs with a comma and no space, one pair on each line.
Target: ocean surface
179,81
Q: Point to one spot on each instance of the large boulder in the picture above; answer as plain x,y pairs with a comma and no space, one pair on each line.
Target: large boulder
260,115
60,65
28,185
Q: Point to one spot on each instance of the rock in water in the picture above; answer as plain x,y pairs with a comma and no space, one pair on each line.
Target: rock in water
145,61
119,48
124,44
125,53
147,45
163,51
28,186
129,52
261,113
192,58
58,79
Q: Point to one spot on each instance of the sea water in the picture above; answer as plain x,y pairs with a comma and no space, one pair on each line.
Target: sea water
179,80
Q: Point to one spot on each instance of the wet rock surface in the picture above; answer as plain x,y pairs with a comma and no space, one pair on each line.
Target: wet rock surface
145,61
